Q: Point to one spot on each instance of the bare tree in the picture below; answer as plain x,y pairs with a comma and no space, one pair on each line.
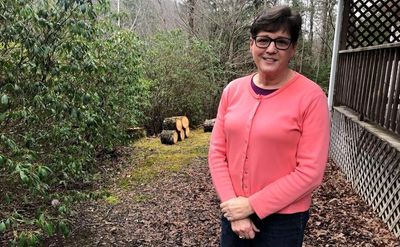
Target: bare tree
327,24
226,24
145,17
192,4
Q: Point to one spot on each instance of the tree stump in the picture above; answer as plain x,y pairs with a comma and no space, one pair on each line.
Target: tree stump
169,137
136,132
187,132
172,123
181,135
208,125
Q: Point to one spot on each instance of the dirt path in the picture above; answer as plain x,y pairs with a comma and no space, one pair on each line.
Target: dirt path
180,208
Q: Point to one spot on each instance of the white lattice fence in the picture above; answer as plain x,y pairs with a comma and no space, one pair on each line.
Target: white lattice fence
370,162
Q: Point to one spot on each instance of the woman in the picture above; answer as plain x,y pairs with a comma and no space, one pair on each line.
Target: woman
269,145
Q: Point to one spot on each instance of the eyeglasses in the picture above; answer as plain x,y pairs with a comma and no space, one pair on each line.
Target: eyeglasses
265,41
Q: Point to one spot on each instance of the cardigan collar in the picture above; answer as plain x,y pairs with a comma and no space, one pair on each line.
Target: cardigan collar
258,96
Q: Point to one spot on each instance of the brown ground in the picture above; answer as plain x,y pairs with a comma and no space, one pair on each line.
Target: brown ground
181,209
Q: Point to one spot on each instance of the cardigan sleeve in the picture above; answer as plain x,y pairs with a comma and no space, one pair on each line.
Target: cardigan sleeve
217,156
312,154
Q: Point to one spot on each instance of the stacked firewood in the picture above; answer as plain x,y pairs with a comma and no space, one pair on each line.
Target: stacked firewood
175,129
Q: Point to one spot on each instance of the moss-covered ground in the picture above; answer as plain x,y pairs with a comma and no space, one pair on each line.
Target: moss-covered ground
154,158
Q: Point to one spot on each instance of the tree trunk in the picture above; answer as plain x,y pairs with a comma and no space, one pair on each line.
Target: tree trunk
169,137
324,30
302,55
208,125
172,123
162,13
311,37
191,16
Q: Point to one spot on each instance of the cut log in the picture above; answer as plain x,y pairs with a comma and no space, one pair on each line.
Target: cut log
185,121
169,137
136,132
181,135
187,132
208,125
172,123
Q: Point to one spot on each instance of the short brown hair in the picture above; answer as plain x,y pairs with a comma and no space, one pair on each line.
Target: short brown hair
278,18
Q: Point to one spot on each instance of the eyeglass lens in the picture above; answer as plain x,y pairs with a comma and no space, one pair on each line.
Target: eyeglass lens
265,41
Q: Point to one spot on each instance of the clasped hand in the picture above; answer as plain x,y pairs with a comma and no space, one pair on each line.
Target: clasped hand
236,208
237,211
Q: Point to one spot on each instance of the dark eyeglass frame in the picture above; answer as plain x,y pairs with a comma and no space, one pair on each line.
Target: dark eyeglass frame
272,40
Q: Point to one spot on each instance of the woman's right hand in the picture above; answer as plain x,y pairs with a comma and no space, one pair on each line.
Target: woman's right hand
244,228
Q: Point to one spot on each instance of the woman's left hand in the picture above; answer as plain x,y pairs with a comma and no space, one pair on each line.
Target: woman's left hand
244,228
236,208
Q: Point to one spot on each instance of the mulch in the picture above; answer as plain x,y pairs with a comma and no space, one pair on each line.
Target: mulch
340,218
181,209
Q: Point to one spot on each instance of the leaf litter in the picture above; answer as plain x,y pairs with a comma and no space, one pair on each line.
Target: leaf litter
180,208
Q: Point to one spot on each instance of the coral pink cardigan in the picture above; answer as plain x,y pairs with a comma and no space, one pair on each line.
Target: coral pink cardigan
272,149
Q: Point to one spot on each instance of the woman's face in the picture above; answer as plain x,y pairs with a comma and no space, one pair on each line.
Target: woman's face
272,61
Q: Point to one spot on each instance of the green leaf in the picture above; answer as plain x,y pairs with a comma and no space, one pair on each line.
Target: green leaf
3,116
63,228
2,160
23,176
44,171
42,220
4,99
49,228
33,240
74,114
2,227
86,99
62,209
7,200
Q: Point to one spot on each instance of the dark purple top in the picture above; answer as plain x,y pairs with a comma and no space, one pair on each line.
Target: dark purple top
259,90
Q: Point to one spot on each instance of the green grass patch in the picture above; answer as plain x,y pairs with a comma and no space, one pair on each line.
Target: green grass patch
156,157
112,199
141,198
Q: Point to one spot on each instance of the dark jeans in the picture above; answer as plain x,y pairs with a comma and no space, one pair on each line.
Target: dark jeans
277,230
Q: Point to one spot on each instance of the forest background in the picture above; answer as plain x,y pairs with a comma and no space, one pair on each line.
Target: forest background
76,74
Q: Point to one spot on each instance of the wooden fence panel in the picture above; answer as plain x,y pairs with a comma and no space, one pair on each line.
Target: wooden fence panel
372,22
370,162
368,81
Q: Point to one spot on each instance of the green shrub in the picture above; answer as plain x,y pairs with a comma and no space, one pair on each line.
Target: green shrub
183,76
70,85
